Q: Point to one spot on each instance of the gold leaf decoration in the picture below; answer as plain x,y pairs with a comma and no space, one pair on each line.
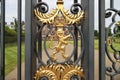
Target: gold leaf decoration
73,18
46,17
59,72
49,18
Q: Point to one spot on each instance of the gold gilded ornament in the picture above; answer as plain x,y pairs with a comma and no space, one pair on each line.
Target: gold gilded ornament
59,72
61,44
59,17
109,42
49,18
118,60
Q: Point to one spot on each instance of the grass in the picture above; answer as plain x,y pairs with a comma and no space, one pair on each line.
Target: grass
96,43
116,45
79,43
11,56
11,53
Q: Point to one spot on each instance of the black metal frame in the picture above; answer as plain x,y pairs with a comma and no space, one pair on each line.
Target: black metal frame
86,30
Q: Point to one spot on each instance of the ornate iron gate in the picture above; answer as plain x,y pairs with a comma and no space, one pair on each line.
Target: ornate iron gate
63,26
60,24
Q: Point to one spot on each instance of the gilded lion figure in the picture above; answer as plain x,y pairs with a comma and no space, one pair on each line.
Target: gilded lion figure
61,44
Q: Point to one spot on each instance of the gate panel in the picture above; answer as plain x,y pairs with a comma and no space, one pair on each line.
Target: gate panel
109,41
56,22
80,31
35,39
112,38
2,39
88,58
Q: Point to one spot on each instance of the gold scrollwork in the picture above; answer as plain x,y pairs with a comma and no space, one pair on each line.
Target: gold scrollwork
59,72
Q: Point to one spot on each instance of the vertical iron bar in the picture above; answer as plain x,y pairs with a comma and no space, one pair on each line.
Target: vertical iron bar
40,43
2,69
88,33
19,41
101,39
76,36
76,50
111,3
40,40
30,56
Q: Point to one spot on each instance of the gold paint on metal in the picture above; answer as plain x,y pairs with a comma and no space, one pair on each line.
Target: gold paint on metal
59,17
49,18
118,61
59,72
61,44
118,23
109,42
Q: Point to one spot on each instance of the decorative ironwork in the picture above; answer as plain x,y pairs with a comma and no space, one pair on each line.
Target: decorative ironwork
69,58
59,19
49,18
111,39
59,72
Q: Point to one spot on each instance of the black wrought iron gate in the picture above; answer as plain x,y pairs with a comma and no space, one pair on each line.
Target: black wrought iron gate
48,32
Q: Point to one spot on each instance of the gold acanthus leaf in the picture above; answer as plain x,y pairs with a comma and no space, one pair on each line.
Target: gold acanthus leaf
47,18
59,72
72,18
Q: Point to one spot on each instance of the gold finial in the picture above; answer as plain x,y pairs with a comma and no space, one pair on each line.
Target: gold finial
60,2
